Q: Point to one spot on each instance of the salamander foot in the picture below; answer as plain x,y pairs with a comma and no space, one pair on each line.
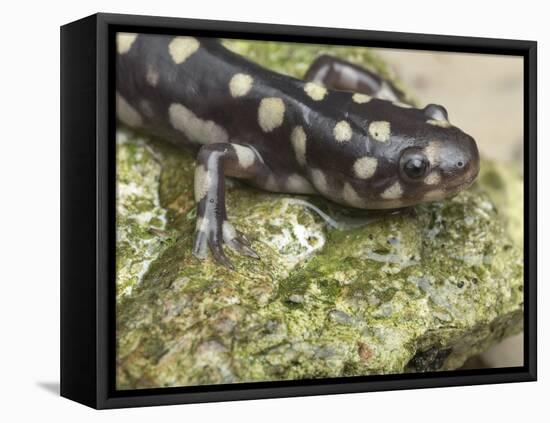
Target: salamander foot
213,238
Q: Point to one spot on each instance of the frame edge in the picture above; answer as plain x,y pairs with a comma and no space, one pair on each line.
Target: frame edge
78,212
103,397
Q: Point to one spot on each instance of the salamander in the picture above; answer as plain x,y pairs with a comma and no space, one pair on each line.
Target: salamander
343,132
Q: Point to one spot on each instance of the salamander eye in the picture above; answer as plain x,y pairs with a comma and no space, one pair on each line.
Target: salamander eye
414,165
436,112
415,168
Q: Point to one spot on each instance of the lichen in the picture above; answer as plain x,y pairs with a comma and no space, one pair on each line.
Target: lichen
421,290
140,218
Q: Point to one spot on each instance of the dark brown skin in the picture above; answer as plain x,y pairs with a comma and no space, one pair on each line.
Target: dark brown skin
338,74
285,135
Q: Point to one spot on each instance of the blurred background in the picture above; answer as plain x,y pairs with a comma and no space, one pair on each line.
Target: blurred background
482,93
484,96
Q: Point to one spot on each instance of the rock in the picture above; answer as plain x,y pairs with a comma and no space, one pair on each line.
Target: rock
417,291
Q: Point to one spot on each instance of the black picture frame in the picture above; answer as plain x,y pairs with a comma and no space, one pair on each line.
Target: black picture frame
88,219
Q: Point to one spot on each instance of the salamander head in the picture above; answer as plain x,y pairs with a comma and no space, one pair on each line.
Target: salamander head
425,158
403,156
438,162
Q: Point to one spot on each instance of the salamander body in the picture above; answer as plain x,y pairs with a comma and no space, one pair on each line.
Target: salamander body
344,133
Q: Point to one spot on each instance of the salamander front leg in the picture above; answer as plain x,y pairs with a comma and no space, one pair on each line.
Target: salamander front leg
214,162
338,74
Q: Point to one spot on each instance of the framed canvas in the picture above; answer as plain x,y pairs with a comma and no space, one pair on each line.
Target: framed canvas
257,211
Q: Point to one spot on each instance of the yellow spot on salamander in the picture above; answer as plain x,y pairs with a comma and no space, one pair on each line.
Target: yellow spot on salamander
126,113
319,180
240,84
180,48
433,152
271,113
195,129
342,131
298,139
380,130
124,42
394,192
433,178
365,167
297,184
361,98
315,91
245,156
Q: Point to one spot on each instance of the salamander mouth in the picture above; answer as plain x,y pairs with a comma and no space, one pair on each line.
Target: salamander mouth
465,181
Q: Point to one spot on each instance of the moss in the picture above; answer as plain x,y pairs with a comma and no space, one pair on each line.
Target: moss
421,290
139,213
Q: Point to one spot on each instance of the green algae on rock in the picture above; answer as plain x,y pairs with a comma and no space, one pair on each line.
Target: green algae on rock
138,211
417,291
